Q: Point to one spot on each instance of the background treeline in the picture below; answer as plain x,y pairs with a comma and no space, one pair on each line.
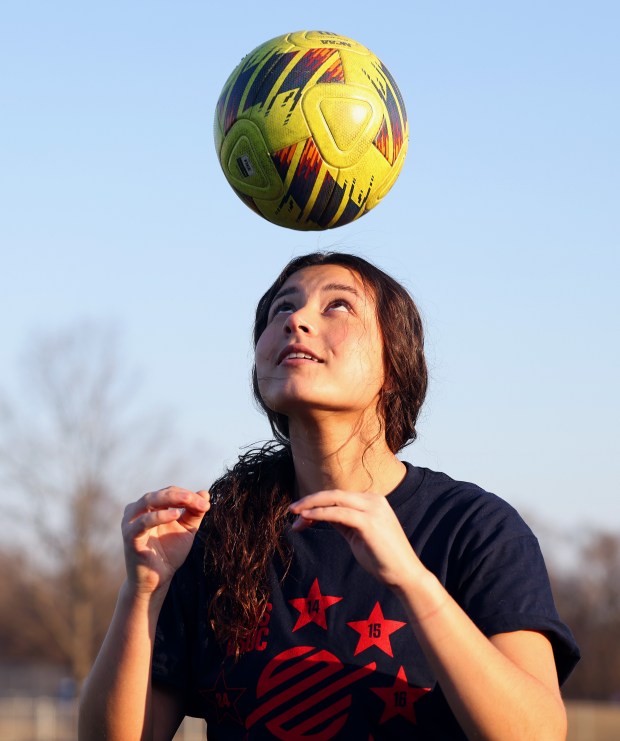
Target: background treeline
587,593
78,449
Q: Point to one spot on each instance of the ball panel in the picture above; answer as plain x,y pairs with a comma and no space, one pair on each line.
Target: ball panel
349,213
343,121
269,84
346,120
389,179
334,73
322,210
305,71
302,181
243,88
397,117
247,164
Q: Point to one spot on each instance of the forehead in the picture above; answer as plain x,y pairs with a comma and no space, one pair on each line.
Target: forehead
326,277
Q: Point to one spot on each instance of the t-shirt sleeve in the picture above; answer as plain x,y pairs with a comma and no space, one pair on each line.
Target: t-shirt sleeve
506,586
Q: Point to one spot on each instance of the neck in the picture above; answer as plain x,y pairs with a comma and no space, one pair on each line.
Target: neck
332,454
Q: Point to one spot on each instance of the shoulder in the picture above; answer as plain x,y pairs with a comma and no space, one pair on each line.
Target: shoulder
458,529
443,504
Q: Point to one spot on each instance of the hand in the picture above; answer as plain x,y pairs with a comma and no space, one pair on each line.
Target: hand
371,528
158,531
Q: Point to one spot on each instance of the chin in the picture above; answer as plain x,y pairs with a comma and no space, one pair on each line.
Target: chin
279,397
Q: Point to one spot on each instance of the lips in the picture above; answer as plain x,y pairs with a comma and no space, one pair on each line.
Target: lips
298,352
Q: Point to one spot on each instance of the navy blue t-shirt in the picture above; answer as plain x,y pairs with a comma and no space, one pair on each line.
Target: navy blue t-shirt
334,656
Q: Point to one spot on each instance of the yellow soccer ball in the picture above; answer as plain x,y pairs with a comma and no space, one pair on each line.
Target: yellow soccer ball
311,130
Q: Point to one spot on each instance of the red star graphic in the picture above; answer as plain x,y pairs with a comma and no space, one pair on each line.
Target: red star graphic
312,608
225,699
400,698
375,631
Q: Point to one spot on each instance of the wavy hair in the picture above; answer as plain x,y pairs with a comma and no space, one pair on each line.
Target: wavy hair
244,529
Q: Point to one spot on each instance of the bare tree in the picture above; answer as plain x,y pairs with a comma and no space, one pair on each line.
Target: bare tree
588,597
71,452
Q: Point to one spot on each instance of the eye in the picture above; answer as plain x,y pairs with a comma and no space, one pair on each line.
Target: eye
282,307
339,304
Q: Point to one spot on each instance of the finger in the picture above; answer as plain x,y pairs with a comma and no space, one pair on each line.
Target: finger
195,502
332,498
152,500
350,518
302,523
134,529
170,497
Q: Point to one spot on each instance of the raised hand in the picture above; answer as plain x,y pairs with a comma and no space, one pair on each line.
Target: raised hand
158,531
371,528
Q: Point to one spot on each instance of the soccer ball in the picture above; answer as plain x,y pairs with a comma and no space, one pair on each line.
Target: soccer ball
311,130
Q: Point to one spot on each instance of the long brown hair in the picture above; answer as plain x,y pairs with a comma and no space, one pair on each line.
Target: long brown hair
244,529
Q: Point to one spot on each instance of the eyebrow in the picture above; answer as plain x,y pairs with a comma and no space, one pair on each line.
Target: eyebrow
328,287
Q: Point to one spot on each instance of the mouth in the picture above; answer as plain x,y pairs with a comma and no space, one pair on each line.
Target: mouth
297,353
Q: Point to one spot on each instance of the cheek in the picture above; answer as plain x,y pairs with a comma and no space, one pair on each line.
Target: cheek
263,348
370,354
343,333
360,341
264,362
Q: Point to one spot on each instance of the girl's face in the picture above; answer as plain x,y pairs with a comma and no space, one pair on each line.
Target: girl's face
322,348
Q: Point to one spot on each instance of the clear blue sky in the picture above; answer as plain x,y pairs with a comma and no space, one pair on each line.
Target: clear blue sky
503,224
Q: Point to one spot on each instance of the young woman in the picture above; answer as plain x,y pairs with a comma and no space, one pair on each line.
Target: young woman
323,588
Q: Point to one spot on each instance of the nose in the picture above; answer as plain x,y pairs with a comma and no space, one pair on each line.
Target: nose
297,322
